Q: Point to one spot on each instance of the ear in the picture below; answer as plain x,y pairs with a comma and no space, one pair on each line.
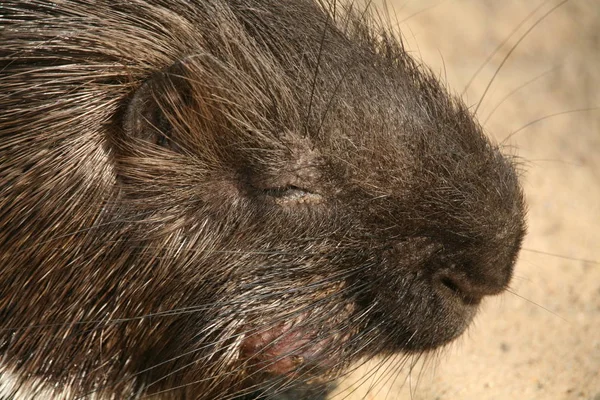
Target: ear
183,108
153,110
171,134
144,118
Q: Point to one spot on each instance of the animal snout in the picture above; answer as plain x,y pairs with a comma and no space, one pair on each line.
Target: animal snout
471,281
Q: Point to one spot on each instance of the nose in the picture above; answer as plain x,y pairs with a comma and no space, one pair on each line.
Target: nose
470,290
478,275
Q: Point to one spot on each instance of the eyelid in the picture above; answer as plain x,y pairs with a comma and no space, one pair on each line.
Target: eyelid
293,195
286,191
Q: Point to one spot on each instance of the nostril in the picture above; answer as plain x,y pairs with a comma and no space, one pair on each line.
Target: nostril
459,287
449,284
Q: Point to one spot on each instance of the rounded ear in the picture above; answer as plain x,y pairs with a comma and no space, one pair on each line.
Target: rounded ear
151,112
144,117
181,108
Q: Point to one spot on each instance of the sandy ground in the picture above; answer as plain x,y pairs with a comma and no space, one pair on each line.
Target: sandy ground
542,341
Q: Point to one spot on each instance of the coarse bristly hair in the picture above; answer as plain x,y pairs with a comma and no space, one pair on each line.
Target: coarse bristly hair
232,199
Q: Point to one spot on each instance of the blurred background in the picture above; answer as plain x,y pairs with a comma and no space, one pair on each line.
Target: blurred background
542,339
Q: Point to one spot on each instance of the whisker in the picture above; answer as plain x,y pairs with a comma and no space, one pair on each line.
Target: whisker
499,47
517,89
561,256
424,10
548,117
512,49
537,305
316,72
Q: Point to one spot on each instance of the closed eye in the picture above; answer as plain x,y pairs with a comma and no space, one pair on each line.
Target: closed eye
291,193
286,191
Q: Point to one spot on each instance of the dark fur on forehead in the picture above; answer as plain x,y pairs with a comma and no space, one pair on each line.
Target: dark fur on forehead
211,199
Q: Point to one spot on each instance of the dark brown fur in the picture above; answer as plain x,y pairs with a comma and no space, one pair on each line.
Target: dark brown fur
214,199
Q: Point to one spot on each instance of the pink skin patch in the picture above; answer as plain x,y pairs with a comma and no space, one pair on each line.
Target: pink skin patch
282,350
